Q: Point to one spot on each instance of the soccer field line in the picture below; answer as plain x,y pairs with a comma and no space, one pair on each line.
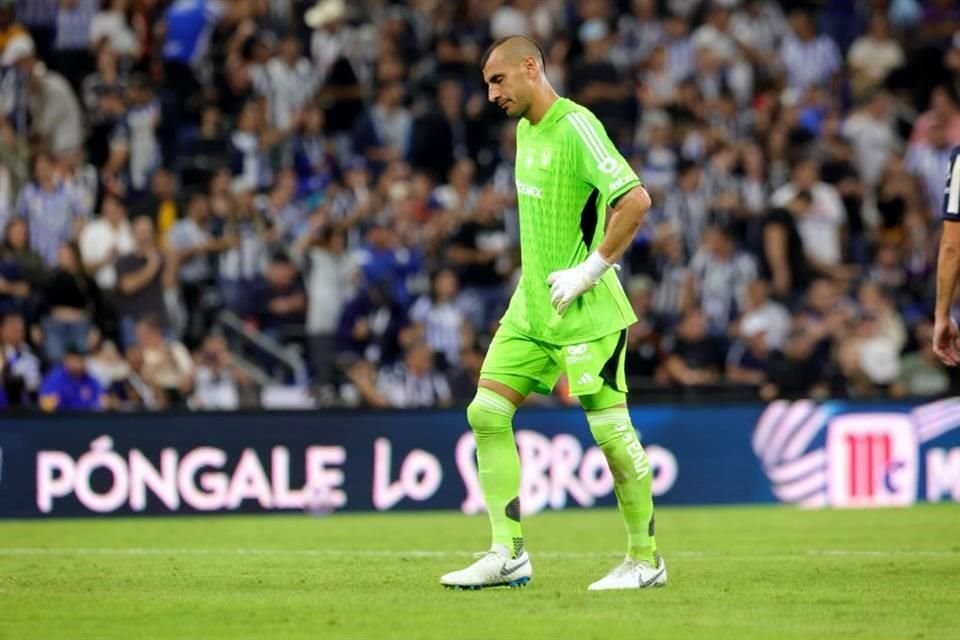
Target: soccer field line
424,553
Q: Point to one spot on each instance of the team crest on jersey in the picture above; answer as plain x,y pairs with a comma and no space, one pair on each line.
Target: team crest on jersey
546,155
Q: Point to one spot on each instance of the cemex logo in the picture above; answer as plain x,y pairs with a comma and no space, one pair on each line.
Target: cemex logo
863,459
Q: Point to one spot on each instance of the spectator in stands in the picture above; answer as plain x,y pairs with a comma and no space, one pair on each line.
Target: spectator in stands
142,277
370,326
821,224
21,368
876,302
686,205
248,149
672,293
868,359
595,82
383,134
54,112
808,365
281,206
51,210
719,276
643,337
21,260
215,379
873,55
195,249
809,59
442,322
105,239
414,381
15,288
134,147
278,301
929,160
253,238
441,136
921,372
313,153
9,27
70,387
385,259
459,196
111,29
870,129
747,359
116,377
73,298
167,365
330,282
287,82
478,253
774,317
695,357
784,257
188,28
161,204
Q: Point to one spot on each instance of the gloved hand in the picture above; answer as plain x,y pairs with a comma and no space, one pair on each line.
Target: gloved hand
567,285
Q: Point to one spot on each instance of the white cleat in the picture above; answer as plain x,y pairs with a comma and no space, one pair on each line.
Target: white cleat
494,568
632,574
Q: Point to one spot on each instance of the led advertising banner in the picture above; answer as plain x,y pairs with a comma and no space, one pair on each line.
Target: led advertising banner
831,454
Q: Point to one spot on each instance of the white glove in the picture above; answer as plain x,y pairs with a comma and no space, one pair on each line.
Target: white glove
569,284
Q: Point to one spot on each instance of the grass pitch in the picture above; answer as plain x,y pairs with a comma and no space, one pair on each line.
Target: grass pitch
734,573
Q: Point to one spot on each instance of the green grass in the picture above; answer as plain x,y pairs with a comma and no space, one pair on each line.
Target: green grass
734,573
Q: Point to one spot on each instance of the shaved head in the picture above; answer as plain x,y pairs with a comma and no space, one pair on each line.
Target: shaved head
513,70
514,50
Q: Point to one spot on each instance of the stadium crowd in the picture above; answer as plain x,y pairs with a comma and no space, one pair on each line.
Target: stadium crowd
333,175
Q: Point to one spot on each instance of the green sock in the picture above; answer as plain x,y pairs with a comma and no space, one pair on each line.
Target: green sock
491,417
632,477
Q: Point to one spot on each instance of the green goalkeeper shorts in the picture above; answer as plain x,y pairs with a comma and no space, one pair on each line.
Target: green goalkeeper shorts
587,365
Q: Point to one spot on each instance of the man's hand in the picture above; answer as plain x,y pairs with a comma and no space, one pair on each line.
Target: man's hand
945,341
569,284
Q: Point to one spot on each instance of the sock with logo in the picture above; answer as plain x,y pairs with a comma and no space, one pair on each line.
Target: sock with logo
491,417
632,477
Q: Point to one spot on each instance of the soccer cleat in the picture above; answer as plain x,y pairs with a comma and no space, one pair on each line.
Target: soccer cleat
633,574
494,568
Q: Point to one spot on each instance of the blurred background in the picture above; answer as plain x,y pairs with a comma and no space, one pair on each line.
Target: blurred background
223,204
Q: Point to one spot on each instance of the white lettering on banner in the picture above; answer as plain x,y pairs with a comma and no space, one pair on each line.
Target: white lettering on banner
55,472
323,480
162,483
249,482
283,497
214,485
198,479
101,456
420,476
943,474
552,469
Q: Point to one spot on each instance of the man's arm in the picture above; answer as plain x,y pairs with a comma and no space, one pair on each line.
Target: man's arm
945,334
628,214
137,280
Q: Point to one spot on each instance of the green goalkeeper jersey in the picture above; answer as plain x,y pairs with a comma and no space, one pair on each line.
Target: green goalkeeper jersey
567,172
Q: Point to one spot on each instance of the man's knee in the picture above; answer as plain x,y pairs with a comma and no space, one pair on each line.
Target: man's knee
490,413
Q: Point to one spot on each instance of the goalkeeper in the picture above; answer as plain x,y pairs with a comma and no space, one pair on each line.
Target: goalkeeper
569,315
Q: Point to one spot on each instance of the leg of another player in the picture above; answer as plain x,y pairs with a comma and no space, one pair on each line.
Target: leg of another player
613,431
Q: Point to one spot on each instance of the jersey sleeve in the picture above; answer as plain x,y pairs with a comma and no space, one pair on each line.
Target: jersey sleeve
951,192
599,164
